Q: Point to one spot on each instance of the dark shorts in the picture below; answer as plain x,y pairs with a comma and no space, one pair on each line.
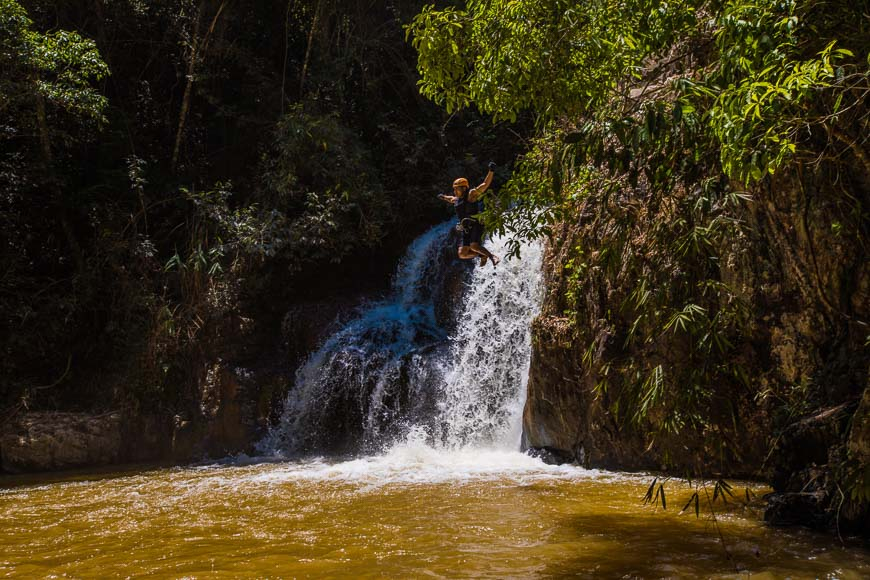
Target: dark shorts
472,233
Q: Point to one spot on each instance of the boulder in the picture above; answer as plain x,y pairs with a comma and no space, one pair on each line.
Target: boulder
557,403
550,456
807,444
50,441
796,508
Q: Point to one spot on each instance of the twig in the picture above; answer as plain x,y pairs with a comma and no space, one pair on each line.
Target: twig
839,507
716,523
57,382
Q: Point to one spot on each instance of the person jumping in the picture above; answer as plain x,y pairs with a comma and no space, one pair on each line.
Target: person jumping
468,205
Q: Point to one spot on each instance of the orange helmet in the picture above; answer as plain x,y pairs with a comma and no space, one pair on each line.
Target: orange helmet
461,182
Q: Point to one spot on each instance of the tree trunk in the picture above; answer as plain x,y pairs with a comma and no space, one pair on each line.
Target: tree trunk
188,88
311,31
198,47
42,123
290,5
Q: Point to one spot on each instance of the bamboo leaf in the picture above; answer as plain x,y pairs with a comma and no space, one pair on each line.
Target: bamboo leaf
688,503
649,492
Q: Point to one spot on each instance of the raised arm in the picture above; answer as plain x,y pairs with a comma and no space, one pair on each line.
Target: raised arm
475,193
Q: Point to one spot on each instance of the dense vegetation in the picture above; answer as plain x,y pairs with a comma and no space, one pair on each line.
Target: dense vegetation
170,167
680,146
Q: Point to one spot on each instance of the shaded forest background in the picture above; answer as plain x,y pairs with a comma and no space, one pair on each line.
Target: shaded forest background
178,172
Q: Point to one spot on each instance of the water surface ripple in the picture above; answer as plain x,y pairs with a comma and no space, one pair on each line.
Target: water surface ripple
411,512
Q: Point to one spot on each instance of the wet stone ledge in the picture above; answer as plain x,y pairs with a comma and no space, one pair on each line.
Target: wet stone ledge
50,441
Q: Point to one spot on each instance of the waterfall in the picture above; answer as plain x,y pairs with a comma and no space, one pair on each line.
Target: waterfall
444,357
484,386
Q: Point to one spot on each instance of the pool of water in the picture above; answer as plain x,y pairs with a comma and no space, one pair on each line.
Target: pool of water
412,512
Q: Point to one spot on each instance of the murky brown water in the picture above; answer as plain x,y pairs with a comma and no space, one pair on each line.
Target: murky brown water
415,514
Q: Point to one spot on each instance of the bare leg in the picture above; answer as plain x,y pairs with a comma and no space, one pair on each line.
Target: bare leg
480,250
466,253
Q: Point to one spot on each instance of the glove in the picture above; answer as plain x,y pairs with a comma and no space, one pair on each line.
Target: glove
491,166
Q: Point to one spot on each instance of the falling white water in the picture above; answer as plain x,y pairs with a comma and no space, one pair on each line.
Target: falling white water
394,378
484,387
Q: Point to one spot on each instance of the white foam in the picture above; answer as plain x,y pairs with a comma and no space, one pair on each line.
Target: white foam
414,461
484,388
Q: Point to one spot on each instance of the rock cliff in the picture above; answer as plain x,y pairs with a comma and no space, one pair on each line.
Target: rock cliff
793,406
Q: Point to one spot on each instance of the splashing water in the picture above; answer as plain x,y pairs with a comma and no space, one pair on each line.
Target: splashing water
394,374
484,387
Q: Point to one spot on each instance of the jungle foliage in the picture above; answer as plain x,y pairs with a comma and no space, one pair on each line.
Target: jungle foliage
658,124
166,166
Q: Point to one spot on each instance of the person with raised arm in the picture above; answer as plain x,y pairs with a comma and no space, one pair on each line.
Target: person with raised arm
468,204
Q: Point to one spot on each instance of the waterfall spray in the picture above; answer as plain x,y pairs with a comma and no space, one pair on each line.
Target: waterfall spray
395,372
484,386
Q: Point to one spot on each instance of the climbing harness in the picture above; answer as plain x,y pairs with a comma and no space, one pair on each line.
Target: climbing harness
465,224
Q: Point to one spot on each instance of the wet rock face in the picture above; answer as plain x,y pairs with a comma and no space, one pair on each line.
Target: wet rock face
563,416
806,294
233,413
54,441
807,445
797,508
305,325
859,438
241,378
550,456
448,297
556,402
